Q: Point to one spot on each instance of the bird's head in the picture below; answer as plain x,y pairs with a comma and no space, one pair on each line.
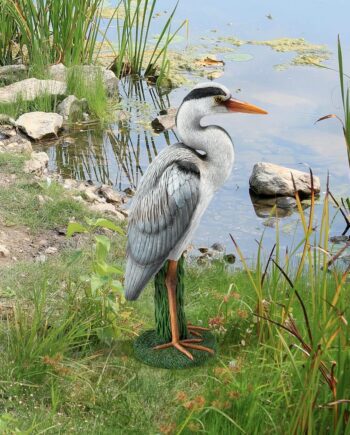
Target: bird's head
212,98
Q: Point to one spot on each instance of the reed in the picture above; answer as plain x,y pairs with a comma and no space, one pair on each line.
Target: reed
345,97
134,56
52,31
302,316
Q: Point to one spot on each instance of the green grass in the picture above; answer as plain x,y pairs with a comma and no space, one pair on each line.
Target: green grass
20,202
278,334
92,89
53,31
43,103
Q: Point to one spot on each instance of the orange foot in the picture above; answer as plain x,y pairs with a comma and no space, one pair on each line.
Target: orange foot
182,344
195,330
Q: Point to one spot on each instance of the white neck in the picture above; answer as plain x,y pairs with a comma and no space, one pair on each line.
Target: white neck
213,140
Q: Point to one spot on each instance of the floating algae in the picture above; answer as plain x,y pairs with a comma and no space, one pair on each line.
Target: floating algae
306,52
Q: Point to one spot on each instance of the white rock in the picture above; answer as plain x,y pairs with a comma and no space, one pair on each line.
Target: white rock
30,89
108,208
72,108
69,183
16,144
109,194
10,70
58,72
37,163
40,125
165,122
51,250
89,72
271,180
4,252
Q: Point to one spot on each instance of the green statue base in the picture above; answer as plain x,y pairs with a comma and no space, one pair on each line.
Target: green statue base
171,358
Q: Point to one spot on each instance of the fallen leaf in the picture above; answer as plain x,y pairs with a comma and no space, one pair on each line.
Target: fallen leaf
209,61
328,117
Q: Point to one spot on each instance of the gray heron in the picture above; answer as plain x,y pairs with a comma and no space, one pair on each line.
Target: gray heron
174,193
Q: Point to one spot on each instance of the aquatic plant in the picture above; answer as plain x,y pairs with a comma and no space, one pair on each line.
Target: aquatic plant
8,34
51,31
345,96
133,55
301,316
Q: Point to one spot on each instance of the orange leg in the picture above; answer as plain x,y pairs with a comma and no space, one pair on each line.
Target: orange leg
180,345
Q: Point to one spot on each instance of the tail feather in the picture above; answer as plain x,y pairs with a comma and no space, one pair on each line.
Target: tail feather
137,277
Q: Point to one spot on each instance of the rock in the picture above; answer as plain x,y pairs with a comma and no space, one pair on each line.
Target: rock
90,196
4,252
37,163
109,194
30,89
8,71
16,144
6,121
51,250
89,72
129,191
71,108
273,180
69,184
108,208
230,258
218,247
165,122
58,72
40,125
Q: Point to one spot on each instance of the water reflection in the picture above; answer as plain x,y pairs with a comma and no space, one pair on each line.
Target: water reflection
119,154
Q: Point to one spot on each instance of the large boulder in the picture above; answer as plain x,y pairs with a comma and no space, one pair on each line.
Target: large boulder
269,179
30,89
89,72
40,125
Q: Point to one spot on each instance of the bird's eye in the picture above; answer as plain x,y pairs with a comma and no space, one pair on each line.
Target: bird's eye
218,100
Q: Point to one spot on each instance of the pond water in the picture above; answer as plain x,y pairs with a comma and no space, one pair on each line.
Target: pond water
294,96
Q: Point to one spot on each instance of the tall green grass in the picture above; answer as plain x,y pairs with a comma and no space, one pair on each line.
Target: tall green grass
302,316
52,31
8,36
134,56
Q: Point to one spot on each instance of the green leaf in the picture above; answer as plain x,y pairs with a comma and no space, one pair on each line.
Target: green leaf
75,227
103,246
105,223
97,282
102,268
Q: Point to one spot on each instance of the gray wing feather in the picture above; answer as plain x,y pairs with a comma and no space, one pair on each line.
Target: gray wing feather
161,213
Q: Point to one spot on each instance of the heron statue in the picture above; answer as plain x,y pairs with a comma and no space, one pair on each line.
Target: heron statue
169,203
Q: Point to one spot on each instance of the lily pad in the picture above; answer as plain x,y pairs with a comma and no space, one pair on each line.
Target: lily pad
239,57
